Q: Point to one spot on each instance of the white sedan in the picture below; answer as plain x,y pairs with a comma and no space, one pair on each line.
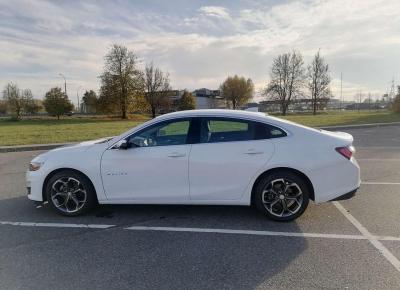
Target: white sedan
214,157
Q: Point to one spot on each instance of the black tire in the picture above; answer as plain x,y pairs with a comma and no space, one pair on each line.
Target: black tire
272,189
82,195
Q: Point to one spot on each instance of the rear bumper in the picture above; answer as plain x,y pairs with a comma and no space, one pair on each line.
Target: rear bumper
336,181
346,196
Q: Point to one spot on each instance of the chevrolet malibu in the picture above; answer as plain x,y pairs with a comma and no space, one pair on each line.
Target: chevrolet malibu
213,157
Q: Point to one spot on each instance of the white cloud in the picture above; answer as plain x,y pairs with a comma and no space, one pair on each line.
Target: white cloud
215,11
199,46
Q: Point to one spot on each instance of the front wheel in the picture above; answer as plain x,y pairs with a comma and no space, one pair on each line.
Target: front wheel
70,193
282,196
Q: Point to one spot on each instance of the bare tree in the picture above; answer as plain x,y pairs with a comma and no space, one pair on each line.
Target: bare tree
14,99
237,90
156,88
30,105
318,82
3,107
121,80
287,79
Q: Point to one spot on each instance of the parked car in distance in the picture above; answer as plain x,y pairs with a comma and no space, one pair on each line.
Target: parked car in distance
213,157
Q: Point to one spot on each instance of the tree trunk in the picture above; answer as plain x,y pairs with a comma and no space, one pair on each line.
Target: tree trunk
123,109
58,117
284,110
153,112
314,106
18,111
234,104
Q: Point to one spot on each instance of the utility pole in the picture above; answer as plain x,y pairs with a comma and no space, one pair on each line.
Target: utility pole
65,83
392,92
369,101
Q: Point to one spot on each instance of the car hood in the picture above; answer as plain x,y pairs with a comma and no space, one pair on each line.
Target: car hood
84,145
78,147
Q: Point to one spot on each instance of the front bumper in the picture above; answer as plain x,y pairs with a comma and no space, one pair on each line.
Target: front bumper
34,183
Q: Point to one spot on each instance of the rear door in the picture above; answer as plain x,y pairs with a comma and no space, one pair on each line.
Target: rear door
229,154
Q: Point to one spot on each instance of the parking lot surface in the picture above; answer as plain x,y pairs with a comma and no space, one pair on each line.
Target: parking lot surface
353,244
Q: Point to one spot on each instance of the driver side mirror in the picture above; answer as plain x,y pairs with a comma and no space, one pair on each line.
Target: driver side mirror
122,145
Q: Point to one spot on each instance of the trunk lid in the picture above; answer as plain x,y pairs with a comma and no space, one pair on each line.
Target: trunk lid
343,137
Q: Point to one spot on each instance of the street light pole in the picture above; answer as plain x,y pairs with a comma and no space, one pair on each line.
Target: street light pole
65,83
77,96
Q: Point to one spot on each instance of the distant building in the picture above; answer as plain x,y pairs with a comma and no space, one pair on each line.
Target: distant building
251,105
334,104
175,95
297,105
209,99
269,106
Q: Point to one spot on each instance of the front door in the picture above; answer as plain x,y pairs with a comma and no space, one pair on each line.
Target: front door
153,169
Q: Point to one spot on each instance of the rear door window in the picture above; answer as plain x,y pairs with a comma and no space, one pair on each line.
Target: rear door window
266,131
226,130
215,130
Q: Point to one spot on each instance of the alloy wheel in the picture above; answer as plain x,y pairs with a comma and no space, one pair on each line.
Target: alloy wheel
68,194
282,197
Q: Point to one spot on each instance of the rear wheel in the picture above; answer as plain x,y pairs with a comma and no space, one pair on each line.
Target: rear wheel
282,196
70,193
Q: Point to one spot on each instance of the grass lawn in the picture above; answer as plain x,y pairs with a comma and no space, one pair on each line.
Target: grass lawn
71,129
343,118
67,129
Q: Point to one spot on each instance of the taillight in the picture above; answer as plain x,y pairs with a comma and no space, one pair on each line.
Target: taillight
346,152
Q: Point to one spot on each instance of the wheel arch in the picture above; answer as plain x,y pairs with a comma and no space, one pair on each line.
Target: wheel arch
292,170
52,173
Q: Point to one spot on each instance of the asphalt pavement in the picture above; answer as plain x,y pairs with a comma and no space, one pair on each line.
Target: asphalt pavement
353,244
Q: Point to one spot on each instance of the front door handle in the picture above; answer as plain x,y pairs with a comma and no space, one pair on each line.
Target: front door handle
176,154
253,152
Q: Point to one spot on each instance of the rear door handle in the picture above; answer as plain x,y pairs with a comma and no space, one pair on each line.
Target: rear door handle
253,152
176,154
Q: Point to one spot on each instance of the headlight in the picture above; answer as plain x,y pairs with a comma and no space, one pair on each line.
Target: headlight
34,166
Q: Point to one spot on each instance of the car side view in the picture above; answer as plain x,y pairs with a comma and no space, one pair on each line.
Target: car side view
213,157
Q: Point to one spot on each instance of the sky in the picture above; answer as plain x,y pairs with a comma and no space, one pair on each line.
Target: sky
199,43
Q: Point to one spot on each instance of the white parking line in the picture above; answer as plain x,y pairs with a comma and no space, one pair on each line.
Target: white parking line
372,239
379,159
380,183
377,147
260,233
56,225
206,230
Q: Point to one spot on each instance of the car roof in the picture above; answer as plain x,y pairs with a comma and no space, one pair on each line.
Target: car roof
288,126
213,112
255,116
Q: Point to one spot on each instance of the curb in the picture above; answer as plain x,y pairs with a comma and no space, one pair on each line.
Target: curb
6,149
34,147
359,126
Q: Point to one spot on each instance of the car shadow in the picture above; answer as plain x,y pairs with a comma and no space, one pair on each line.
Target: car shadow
172,260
